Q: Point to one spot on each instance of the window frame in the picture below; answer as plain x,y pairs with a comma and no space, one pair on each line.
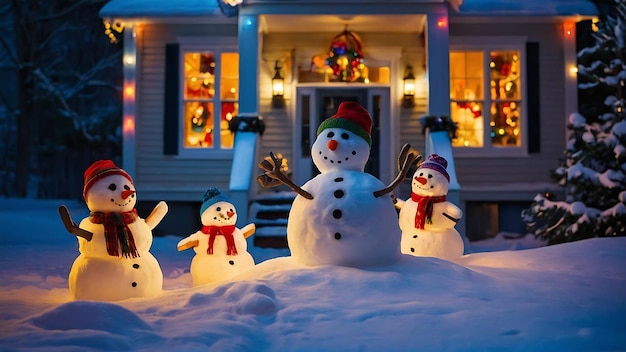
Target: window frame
218,46
486,45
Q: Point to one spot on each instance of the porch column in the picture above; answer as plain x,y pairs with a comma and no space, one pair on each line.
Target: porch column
244,153
438,69
438,61
248,64
129,94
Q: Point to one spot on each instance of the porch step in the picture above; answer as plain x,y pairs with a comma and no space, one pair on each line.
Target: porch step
270,212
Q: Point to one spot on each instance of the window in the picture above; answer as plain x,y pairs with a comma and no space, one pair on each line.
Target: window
486,99
210,98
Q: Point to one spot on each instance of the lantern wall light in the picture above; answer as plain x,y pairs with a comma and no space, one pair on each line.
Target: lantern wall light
409,88
278,87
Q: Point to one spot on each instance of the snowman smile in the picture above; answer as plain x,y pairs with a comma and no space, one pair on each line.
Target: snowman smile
121,204
338,159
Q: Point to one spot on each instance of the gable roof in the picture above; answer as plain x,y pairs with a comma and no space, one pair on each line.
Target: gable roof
527,8
199,8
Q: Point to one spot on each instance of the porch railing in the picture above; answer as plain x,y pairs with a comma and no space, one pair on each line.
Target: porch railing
242,172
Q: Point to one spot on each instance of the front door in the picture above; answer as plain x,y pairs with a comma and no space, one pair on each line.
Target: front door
316,104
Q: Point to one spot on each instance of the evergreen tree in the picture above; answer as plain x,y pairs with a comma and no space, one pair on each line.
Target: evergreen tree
593,168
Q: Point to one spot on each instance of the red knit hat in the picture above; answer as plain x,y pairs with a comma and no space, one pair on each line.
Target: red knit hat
100,169
352,117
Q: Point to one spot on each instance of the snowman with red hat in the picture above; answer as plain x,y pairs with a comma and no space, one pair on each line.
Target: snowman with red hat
427,219
114,242
221,247
343,216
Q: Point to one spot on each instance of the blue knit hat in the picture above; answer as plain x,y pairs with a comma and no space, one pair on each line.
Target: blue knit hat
212,196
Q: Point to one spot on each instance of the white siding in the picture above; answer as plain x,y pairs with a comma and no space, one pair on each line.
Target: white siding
160,176
480,174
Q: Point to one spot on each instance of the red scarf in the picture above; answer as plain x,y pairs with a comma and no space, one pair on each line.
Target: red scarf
116,232
424,212
226,231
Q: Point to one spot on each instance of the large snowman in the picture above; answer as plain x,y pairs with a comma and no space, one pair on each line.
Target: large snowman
221,248
343,216
427,219
114,242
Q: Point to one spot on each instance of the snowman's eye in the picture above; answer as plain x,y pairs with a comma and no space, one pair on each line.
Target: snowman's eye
430,176
230,210
330,134
421,174
345,136
218,209
126,187
112,187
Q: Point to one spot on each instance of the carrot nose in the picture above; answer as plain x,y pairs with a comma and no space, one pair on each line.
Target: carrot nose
332,144
127,193
230,213
421,180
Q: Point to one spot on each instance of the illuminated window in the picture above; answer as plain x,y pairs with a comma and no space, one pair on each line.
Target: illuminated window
486,99
210,98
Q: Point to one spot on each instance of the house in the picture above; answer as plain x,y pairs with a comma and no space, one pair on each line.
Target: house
505,71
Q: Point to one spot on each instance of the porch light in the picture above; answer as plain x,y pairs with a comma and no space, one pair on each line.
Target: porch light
278,87
409,87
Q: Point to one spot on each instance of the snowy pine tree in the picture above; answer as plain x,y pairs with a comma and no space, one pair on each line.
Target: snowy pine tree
593,169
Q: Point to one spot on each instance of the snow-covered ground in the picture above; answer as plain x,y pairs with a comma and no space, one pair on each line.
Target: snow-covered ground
503,296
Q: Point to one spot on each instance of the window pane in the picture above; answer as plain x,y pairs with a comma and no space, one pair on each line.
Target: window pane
229,110
466,75
229,85
199,77
198,124
505,124
469,119
505,71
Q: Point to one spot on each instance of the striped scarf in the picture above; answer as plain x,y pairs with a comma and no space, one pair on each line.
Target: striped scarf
116,232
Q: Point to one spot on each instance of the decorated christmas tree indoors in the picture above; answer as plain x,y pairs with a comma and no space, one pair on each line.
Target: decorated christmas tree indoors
593,167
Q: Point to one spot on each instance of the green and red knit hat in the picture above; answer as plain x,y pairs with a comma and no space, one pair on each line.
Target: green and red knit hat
99,170
352,117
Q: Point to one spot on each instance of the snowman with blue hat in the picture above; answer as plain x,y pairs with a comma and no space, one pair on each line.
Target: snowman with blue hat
220,247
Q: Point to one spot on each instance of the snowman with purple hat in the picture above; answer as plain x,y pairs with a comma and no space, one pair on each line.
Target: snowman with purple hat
221,247
427,219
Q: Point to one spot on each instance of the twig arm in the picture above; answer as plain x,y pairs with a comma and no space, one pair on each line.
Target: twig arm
71,226
407,157
273,176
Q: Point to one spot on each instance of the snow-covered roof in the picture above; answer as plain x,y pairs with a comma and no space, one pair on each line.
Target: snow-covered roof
527,8
199,8
160,8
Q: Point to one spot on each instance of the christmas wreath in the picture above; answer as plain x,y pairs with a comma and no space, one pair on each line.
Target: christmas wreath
247,124
439,123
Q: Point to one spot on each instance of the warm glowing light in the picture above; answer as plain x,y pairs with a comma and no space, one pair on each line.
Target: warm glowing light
442,23
129,91
573,70
233,90
492,123
466,143
569,29
129,125
129,60
229,116
501,131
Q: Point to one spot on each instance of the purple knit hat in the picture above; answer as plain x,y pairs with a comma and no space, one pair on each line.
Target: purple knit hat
437,163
